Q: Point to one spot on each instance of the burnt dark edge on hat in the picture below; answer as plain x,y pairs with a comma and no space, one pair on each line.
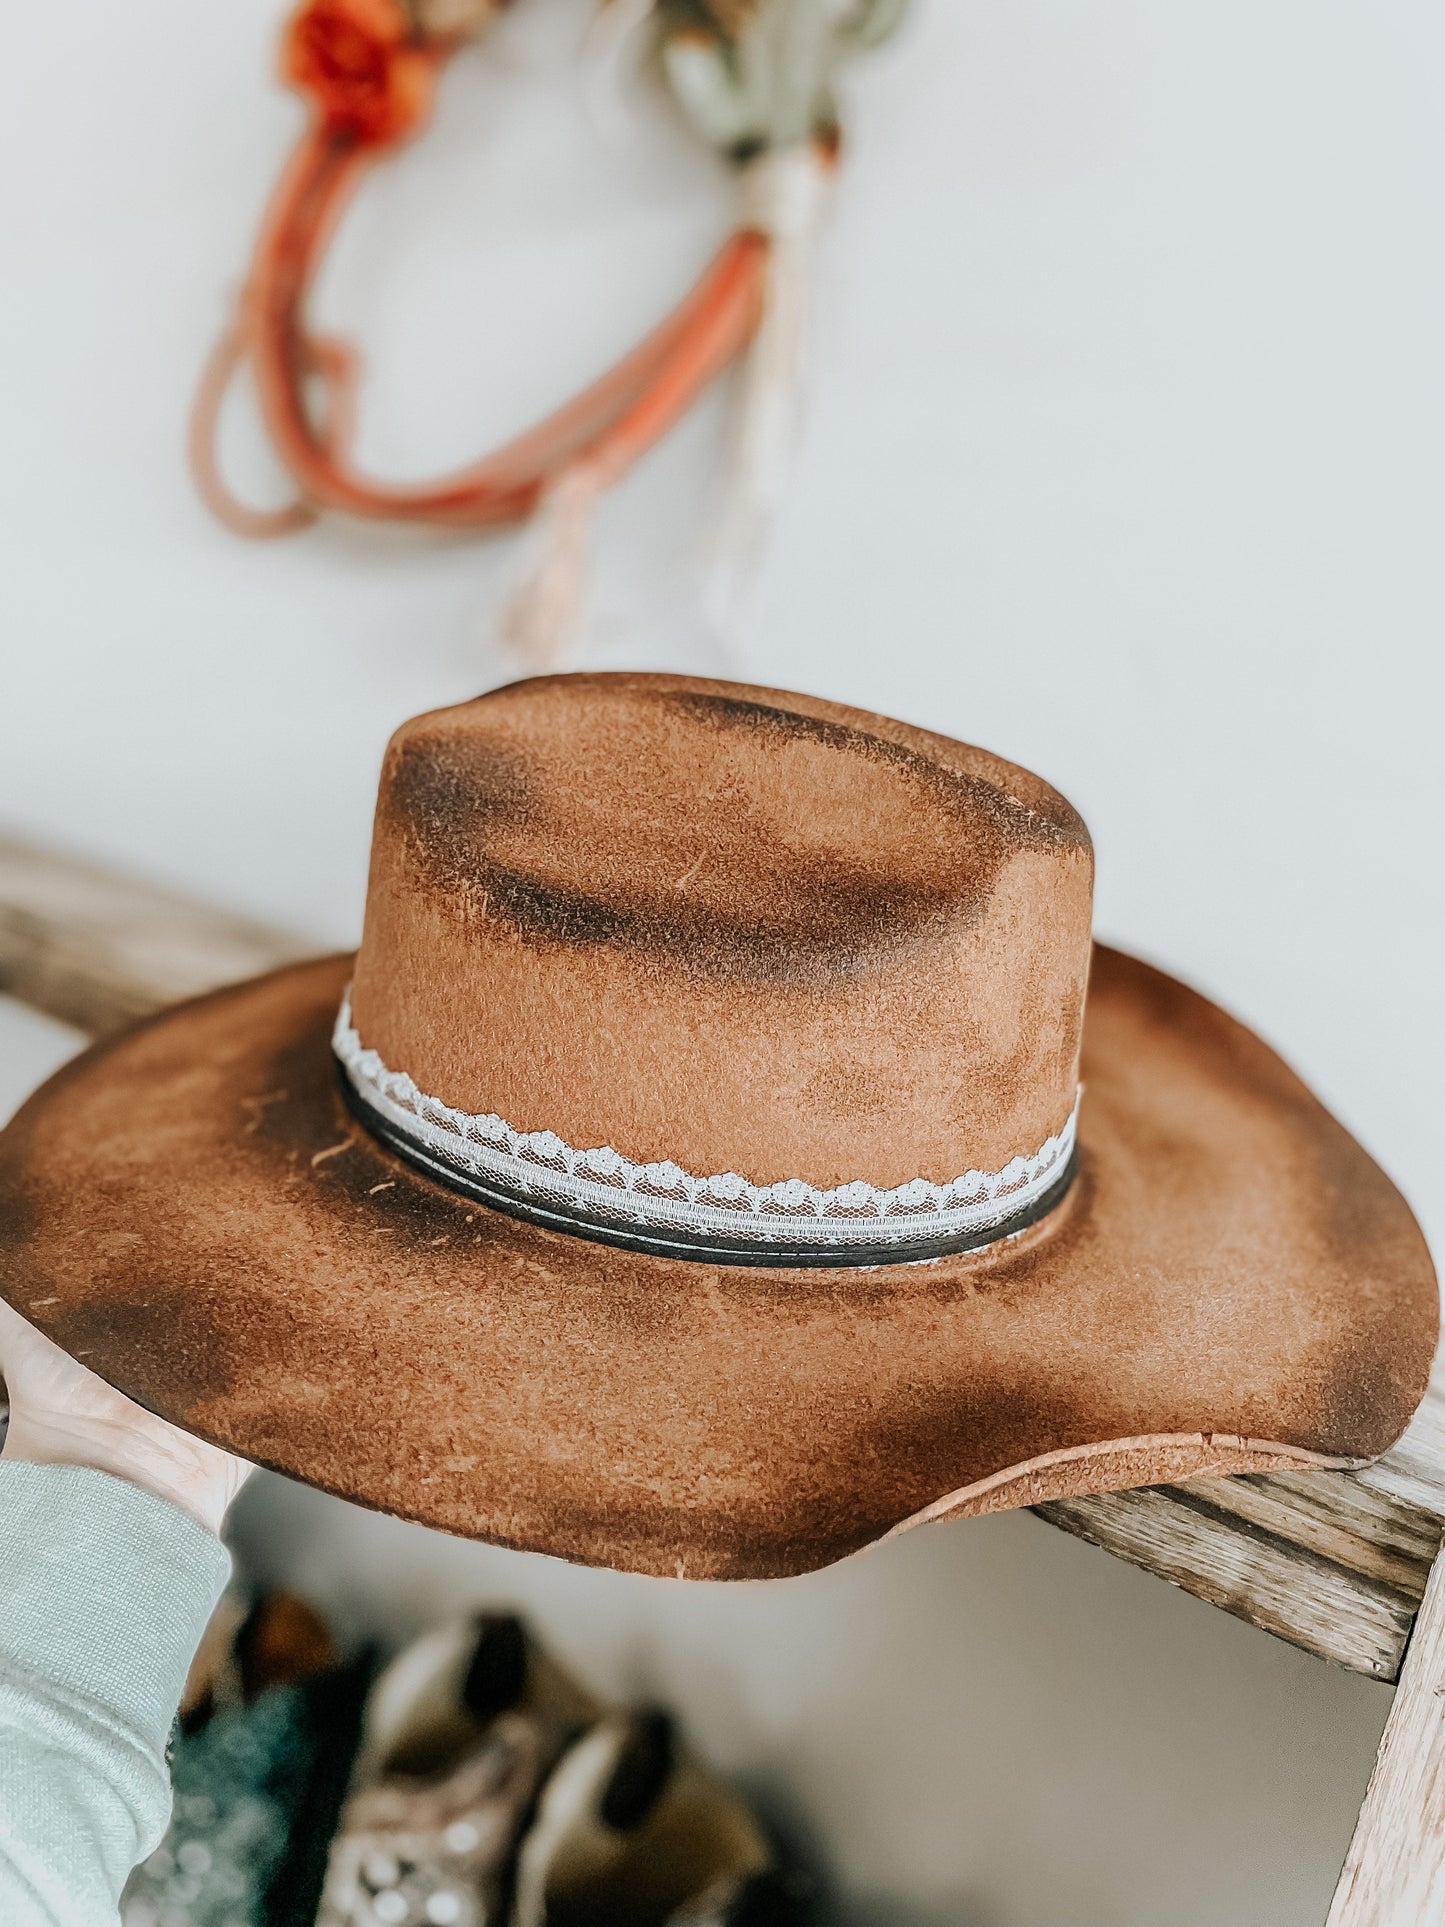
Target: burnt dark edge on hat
763,1254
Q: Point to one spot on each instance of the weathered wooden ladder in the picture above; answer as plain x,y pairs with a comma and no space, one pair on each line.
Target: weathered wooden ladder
1342,1564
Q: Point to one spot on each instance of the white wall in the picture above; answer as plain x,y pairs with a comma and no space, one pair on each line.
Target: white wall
1121,458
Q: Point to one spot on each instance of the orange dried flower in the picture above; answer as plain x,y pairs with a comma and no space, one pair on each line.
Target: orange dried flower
360,62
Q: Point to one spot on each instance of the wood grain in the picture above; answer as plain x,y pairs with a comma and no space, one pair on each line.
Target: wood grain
1308,1556
1394,1872
1335,1562
98,950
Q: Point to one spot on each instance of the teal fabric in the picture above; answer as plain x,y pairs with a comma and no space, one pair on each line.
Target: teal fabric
238,1783
258,1792
105,1591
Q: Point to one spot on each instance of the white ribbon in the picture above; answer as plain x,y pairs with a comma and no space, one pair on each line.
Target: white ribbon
601,1183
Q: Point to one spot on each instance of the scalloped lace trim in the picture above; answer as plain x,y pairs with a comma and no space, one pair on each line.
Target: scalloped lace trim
539,1164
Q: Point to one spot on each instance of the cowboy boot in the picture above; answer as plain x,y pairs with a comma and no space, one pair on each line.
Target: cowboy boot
459,1734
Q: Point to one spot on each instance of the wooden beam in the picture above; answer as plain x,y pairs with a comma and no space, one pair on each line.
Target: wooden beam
1312,1556
1335,1562
1394,1872
97,950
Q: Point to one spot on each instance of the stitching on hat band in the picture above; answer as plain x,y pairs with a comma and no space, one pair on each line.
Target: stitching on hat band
600,1193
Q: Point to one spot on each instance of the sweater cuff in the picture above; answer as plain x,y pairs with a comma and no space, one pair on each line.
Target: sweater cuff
104,1589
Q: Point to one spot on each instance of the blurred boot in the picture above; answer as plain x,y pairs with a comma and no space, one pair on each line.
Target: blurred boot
631,1831
460,1732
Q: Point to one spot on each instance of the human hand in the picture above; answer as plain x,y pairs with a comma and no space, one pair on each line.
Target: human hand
62,1414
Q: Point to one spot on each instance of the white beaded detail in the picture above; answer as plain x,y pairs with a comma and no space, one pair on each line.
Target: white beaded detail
539,1165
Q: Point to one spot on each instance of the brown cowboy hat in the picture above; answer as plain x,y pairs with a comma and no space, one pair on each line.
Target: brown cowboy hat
695,1178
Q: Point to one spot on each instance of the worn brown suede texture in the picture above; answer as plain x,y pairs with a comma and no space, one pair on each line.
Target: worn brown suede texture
194,1213
1231,1283
741,930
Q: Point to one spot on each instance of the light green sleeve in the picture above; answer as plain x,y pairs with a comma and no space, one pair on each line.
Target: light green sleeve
104,1594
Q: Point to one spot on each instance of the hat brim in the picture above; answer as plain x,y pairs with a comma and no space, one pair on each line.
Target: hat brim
1231,1285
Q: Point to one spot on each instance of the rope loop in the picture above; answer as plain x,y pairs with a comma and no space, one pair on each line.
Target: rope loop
368,67
755,78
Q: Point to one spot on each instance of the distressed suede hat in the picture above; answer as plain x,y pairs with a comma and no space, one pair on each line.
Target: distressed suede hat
726,1149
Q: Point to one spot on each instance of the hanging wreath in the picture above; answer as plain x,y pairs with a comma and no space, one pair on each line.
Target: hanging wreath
752,76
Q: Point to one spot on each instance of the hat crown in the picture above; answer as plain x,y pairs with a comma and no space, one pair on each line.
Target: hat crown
726,928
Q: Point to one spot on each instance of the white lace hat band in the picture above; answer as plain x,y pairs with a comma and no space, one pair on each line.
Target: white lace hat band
724,1219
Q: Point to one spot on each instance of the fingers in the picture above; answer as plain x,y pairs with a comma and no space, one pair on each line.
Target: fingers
61,1413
